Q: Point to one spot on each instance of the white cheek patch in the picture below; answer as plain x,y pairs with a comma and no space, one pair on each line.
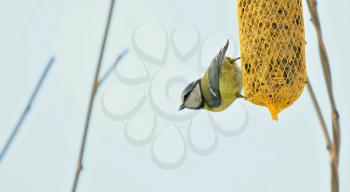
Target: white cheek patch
194,100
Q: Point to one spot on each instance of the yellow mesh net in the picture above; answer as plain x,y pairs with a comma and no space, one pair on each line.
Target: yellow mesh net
272,42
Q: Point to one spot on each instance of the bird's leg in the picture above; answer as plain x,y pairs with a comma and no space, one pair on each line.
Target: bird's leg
239,95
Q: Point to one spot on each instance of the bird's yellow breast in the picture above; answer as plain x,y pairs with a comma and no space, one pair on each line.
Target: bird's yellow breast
230,83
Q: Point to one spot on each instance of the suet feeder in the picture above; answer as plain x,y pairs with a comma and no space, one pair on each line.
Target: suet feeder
272,43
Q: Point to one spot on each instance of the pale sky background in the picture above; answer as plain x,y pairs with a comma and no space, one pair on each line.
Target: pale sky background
288,155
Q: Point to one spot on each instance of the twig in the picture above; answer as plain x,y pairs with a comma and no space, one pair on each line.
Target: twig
110,70
319,114
92,98
335,147
100,82
27,109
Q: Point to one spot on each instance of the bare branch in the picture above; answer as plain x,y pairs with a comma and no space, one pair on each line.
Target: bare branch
27,109
110,70
92,98
335,148
319,114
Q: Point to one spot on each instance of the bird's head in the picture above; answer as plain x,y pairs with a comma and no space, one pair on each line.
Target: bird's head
192,96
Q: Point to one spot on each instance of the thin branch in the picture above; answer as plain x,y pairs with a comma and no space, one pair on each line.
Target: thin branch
327,72
92,98
319,114
335,148
110,70
27,109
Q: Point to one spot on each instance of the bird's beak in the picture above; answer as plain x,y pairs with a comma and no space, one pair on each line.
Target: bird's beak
237,59
182,106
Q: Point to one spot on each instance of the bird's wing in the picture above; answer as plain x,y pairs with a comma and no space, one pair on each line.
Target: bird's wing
214,76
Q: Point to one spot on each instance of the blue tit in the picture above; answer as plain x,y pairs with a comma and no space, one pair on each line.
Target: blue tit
219,87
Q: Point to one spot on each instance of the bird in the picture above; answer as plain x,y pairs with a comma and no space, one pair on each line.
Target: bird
218,88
